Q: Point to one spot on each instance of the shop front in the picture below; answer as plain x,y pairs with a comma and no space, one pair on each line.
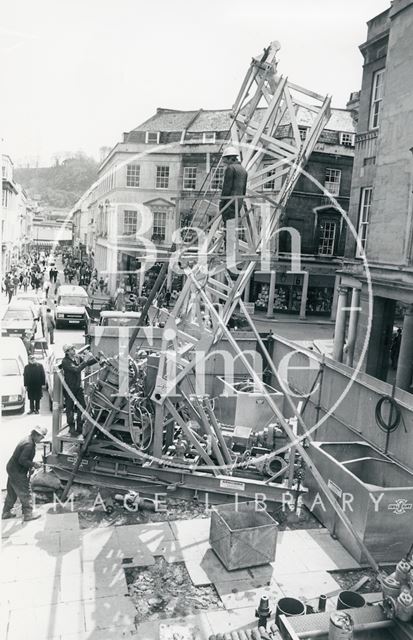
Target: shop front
320,295
289,290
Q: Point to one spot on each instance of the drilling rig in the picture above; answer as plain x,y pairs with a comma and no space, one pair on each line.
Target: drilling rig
161,416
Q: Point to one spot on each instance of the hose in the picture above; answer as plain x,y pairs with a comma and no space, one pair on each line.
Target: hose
394,409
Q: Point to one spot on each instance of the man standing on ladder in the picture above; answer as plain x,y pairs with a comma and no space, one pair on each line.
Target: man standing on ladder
232,195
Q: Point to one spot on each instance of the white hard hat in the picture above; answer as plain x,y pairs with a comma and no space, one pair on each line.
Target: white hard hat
230,151
41,431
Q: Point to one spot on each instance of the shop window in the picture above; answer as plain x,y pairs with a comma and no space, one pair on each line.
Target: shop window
319,300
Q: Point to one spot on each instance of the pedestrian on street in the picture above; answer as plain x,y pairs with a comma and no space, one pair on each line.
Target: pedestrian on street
9,290
28,343
101,284
50,325
42,316
46,287
16,282
58,283
120,299
72,366
25,283
19,469
34,379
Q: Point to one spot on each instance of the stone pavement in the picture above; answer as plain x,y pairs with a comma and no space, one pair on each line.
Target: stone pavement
62,583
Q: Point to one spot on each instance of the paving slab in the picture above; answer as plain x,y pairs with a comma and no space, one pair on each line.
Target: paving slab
188,628
191,530
29,592
309,585
69,540
109,613
226,621
52,621
100,544
246,594
88,586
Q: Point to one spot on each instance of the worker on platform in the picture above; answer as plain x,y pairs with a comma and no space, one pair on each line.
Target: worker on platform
72,366
233,190
19,469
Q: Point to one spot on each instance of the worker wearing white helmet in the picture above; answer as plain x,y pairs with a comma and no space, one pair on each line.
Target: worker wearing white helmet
234,186
19,468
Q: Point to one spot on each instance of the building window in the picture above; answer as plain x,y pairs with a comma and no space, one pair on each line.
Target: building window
152,137
332,181
364,218
271,185
189,182
162,177
159,225
133,175
4,198
130,221
217,179
327,238
209,138
197,137
376,98
347,139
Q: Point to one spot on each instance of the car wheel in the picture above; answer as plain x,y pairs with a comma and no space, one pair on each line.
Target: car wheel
58,325
21,410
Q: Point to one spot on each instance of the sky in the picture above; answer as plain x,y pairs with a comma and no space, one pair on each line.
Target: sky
76,74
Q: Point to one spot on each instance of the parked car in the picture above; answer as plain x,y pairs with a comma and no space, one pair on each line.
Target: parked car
13,361
20,317
71,304
33,297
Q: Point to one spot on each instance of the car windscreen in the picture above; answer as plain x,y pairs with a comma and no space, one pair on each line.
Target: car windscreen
9,367
18,314
73,301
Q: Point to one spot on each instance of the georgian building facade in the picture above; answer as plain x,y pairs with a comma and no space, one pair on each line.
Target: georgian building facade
166,173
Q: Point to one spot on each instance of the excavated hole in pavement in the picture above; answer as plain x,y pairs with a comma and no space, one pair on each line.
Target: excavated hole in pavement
165,590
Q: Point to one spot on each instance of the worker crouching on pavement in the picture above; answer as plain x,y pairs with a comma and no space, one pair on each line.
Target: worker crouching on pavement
234,188
19,469
72,366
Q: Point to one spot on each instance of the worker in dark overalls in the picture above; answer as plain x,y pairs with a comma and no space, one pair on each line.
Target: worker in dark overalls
233,190
19,469
72,366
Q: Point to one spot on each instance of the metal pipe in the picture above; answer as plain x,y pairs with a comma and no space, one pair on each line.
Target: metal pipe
365,626
218,431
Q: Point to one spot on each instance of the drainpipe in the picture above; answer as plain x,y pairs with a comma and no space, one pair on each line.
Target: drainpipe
409,222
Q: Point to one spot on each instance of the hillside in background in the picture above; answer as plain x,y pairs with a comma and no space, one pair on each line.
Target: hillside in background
61,185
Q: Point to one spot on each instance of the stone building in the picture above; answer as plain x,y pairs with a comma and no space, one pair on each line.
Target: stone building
381,206
166,172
